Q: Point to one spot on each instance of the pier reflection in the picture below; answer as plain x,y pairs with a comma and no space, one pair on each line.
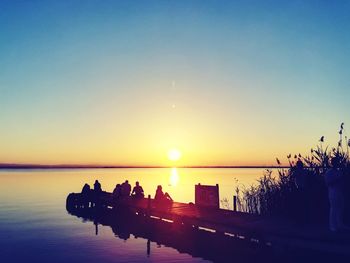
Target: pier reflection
216,247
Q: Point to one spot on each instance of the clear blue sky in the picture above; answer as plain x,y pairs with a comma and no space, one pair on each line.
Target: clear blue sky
225,82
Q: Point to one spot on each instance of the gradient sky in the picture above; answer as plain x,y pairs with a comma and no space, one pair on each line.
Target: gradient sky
122,82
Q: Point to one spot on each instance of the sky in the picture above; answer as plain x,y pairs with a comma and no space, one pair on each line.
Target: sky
123,82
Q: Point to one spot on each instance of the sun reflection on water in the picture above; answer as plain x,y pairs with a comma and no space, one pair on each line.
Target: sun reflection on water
174,177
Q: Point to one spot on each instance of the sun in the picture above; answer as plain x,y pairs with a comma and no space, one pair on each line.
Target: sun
174,155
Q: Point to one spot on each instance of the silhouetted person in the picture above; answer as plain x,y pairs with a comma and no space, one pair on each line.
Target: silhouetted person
334,180
300,176
97,187
97,192
117,192
86,195
126,188
86,189
162,197
137,191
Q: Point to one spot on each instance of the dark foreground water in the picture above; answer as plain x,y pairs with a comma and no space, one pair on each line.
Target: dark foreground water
35,226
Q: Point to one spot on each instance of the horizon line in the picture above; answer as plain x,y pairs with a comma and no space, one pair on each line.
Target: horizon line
101,166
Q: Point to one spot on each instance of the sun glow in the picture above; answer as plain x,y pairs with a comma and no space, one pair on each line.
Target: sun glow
174,155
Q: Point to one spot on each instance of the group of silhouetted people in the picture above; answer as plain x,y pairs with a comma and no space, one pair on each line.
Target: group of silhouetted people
123,191
87,190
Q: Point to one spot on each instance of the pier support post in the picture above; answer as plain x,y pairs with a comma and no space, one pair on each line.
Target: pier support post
235,203
148,247
148,205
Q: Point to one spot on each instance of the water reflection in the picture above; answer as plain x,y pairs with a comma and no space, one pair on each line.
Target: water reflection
174,177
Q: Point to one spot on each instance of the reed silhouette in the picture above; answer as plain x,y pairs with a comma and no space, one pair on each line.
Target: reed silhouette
300,190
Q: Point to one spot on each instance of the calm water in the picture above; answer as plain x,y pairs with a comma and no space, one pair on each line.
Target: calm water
35,226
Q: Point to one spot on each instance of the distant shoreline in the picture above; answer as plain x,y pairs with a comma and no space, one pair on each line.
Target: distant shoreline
64,166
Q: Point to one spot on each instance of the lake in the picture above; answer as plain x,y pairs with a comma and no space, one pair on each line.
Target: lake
35,226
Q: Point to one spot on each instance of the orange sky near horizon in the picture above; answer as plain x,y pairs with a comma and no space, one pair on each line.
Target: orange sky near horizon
149,145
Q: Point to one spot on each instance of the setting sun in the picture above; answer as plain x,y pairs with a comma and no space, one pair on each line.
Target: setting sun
174,155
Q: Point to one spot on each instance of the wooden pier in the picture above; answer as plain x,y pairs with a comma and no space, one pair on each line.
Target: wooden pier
248,227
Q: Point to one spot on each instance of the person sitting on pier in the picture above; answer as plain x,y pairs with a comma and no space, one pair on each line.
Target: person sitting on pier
85,193
117,192
86,189
162,197
126,188
137,191
97,192
97,187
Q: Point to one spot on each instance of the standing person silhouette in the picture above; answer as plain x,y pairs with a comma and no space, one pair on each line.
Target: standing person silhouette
302,207
300,175
334,180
